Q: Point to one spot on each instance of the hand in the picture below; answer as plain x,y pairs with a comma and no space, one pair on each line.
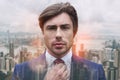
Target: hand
58,72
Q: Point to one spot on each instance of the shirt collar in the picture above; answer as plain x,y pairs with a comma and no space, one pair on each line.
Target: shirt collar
50,59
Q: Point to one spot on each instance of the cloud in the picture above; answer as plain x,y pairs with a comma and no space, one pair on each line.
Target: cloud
16,17
96,16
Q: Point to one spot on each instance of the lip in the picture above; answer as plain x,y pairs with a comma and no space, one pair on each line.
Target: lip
58,44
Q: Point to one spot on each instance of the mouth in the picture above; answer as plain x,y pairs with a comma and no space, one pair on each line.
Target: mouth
58,45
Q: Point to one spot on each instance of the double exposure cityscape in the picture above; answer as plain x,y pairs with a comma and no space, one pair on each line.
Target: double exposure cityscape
97,40
20,47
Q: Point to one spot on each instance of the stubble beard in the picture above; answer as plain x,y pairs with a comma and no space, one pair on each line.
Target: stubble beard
59,54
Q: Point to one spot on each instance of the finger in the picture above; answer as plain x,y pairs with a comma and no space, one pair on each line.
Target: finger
59,65
62,69
51,74
56,72
68,75
65,75
59,68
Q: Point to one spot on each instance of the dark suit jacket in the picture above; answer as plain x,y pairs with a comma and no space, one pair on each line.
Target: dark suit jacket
81,69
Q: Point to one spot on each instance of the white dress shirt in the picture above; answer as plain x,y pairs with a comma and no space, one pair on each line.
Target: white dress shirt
67,59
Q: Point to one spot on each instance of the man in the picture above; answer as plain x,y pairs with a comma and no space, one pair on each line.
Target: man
59,24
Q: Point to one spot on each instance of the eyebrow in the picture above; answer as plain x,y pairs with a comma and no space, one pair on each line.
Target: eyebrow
59,25
51,25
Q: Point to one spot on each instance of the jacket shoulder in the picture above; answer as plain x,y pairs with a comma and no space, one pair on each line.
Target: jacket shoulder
86,62
26,69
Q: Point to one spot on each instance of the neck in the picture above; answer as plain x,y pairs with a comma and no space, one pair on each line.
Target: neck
58,55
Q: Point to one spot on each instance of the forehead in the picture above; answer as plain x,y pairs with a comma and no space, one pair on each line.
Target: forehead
62,18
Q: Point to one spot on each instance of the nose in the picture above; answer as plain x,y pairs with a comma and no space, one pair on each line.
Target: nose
58,34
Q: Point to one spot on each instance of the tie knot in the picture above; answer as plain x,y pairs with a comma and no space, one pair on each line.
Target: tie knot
58,61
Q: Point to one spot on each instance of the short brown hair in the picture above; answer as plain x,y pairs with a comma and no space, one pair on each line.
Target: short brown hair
56,9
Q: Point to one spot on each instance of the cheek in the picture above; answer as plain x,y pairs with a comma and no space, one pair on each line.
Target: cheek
47,38
70,39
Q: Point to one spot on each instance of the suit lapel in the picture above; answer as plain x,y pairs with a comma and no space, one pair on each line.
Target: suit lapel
43,71
78,69
38,67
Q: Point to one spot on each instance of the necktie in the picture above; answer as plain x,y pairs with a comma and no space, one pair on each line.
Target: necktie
58,61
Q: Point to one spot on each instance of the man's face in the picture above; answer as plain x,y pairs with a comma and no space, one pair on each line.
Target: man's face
58,35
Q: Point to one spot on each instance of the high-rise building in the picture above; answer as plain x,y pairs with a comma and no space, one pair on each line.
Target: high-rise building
23,53
11,49
1,54
7,65
81,52
11,45
2,63
74,48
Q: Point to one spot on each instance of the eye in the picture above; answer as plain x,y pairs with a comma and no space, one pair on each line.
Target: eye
51,27
65,27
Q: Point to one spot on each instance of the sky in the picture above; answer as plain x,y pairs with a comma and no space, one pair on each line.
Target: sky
95,16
